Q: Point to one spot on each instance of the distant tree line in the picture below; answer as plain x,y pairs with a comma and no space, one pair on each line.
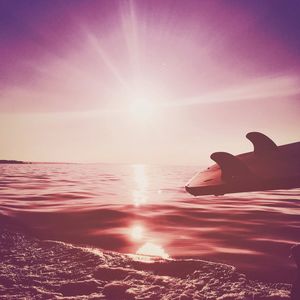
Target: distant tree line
5,161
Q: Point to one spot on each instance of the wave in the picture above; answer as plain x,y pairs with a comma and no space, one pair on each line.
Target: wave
43,269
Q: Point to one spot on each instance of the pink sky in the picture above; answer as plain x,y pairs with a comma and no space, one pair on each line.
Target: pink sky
146,81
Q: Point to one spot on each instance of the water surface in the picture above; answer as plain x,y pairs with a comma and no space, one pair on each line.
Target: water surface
144,209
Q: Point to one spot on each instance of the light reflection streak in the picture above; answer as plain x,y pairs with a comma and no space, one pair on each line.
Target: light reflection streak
154,250
141,185
137,232
150,249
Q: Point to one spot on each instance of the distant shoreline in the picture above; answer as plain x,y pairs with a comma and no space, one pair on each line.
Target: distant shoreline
5,161
20,162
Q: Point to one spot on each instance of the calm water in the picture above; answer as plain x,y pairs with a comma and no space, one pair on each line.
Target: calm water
144,209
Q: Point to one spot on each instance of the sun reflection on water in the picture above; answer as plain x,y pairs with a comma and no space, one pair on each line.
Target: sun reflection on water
136,232
150,250
153,250
141,185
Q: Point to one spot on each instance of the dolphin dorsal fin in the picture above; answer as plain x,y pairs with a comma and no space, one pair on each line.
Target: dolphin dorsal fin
261,143
232,168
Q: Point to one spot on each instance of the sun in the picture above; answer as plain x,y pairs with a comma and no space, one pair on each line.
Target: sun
142,109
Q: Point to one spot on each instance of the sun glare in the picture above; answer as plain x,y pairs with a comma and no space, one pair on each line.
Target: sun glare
141,185
142,109
137,232
154,250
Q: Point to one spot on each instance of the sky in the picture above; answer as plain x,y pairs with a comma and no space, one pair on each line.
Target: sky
162,82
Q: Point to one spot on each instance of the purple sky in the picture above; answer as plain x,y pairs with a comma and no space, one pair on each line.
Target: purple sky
146,81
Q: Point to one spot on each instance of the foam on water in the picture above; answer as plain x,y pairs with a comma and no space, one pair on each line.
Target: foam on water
35,269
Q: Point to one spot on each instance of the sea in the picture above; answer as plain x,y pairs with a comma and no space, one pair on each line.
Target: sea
122,231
